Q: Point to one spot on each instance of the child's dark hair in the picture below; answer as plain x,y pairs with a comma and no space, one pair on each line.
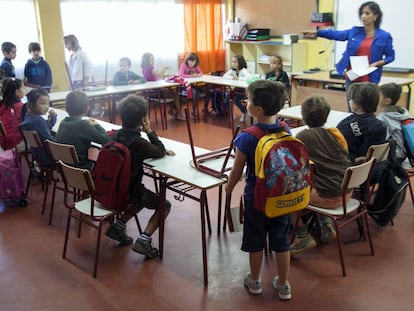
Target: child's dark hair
145,60
392,91
365,95
73,41
270,95
194,57
34,95
7,47
375,8
76,103
131,109
241,61
125,60
315,111
8,90
34,46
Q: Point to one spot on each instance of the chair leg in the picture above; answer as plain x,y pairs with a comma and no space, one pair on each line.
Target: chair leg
98,246
339,242
138,224
46,182
369,235
208,216
52,204
65,245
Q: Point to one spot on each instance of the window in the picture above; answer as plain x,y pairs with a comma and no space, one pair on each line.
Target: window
108,30
19,27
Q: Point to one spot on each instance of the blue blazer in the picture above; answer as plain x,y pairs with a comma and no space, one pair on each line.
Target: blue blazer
381,46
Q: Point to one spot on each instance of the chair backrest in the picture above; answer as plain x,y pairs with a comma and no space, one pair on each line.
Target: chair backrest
32,139
76,177
378,152
357,175
66,153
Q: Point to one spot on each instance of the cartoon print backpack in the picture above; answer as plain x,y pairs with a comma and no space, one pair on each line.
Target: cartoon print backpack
283,176
111,175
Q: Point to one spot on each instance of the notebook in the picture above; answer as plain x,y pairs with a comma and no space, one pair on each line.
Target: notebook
216,162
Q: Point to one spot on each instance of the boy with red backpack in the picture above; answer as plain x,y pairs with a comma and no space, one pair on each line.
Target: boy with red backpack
134,115
264,99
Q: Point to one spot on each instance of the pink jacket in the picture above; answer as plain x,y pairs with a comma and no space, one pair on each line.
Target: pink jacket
10,117
188,72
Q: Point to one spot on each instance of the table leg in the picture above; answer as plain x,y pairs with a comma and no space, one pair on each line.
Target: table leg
161,219
219,208
203,200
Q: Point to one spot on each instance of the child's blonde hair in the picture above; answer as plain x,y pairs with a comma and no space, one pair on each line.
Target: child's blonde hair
277,59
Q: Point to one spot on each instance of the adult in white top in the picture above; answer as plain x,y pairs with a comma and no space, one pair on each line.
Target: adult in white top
79,64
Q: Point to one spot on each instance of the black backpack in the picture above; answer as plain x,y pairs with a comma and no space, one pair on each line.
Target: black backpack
390,194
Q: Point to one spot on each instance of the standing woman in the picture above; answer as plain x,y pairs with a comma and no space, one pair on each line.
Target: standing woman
79,64
367,40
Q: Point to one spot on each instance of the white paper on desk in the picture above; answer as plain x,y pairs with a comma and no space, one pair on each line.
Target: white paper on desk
360,67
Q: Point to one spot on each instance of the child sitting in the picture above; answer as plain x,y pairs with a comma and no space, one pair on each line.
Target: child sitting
190,67
328,150
11,93
392,115
362,129
74,130
238,71
125,76
134,114
38,106
277,73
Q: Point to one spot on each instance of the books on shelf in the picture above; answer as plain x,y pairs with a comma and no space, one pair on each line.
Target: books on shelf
258,34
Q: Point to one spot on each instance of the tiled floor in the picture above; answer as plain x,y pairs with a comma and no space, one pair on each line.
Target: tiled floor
33,275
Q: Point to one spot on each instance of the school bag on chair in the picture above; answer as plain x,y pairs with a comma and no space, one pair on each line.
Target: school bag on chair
283,175
111,175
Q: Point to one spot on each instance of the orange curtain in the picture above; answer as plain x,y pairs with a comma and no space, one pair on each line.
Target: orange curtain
203,33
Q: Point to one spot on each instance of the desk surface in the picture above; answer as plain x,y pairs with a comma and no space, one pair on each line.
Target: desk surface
323,76
294,112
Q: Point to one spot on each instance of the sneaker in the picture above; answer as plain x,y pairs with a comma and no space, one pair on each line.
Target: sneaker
243,117
284,291
301,244
254,286
180,116
172,113
118,234
145,248
328,233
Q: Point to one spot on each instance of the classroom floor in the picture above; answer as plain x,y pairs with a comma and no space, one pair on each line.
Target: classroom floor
35,277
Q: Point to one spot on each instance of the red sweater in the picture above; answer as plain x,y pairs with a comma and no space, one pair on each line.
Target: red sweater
10,117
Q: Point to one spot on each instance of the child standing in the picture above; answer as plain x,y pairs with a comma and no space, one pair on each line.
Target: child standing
11,93
264,100
38,106
392,115
125,76
73,130
238,71
276,72
9,53
190,68
37,71
362,129
328,150
134,114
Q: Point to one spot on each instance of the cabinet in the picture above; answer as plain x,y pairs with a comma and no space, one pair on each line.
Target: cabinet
294,55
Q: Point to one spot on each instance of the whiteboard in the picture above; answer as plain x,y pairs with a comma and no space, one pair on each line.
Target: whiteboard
397,19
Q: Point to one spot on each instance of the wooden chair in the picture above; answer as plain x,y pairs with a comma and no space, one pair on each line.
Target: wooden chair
85,210
33,144
378,152
354,178
67,154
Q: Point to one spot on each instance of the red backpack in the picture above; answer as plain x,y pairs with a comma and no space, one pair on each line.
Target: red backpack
283,176
111,175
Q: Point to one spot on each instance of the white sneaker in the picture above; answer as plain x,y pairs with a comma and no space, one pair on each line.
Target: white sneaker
284,291
243,117
254,286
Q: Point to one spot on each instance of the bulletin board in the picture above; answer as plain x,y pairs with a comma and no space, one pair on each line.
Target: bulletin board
280,16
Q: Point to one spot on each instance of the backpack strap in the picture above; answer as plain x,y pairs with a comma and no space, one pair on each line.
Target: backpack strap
258,132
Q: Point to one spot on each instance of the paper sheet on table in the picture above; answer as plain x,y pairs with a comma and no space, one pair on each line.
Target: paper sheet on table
360,67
